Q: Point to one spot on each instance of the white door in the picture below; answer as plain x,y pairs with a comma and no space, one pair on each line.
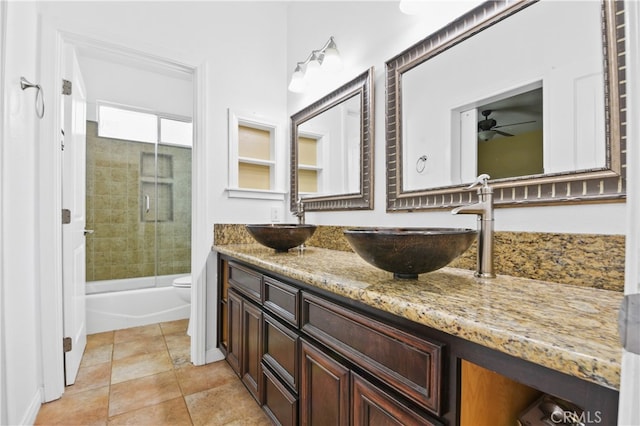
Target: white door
73,121
630,370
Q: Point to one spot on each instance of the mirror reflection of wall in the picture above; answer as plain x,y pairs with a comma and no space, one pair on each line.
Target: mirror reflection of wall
443,98
510,136
329,150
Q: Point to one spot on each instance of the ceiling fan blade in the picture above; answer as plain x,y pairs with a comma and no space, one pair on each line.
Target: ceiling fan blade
501,133
514,124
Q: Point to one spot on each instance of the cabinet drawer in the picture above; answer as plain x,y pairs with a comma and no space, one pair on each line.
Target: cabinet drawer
279,403
283,300
246,281
281,350
411,365
372,406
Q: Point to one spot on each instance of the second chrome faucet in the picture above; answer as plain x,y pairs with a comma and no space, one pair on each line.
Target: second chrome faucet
484,209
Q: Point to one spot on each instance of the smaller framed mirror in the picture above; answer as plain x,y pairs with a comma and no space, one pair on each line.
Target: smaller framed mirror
332,149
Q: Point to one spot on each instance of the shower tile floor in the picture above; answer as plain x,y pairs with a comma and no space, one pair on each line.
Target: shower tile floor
143,376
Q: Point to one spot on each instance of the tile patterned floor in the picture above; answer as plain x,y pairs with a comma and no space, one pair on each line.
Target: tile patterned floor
143,376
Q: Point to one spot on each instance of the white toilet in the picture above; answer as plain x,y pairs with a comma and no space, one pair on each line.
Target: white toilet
183,288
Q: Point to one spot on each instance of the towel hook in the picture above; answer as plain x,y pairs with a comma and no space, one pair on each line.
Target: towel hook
421,163
26,84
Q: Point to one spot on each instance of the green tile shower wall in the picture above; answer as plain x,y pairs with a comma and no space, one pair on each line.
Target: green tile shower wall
124,242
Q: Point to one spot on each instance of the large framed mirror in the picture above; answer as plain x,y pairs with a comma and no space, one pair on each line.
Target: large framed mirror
515,90
332,149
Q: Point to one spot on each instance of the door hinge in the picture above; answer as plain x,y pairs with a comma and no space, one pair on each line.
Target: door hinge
67,344
629,323
66,87
66,216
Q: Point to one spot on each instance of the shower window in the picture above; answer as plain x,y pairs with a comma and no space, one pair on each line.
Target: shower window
126,124
138,197
175,132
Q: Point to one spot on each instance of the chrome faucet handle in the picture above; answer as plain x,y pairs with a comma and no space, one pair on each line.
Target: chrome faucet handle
482,180
300,211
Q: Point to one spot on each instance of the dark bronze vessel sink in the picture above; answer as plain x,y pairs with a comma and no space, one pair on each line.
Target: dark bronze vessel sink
281,236
408,252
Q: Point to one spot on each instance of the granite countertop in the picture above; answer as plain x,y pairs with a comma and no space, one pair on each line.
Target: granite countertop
563,327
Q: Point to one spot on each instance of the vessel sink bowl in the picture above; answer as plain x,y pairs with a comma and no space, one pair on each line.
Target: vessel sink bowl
408,252
281,236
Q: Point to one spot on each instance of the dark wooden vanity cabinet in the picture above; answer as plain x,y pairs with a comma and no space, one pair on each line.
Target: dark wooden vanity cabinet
245,342
310,357
244,322
310,361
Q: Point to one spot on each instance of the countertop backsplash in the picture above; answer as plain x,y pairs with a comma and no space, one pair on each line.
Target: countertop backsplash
579,259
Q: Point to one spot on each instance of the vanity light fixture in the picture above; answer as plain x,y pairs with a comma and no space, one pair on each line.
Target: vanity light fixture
326,58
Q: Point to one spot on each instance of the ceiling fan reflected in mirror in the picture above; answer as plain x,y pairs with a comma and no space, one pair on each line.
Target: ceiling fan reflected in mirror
488,127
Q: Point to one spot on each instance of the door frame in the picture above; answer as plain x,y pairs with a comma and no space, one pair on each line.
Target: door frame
630,368
49,190
3,386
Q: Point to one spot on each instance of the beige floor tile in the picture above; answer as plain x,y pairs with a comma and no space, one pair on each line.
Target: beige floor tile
222,405
136,333
173,327
143,345
144,392
90,377
194,379
260,419
142,365
170,413
96,355
143,376
82,408
99,339
179,349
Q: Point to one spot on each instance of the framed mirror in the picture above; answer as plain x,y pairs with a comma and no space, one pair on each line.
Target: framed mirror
332,149
539,111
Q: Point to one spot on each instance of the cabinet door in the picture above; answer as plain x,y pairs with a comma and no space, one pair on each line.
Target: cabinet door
281,351
374,407
223,300
251,354
234,337
324,389
279,403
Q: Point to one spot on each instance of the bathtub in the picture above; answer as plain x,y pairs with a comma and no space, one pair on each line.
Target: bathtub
117,304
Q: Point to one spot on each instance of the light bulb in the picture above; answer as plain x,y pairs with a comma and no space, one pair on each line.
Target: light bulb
331,61
486,135
313,69
297,83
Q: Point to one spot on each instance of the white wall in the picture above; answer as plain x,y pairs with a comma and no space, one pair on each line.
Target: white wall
21,371
370,33
238,50
158,90
242,45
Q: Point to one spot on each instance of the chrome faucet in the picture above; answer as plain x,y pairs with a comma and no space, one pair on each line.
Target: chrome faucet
300,211
300,214
484,209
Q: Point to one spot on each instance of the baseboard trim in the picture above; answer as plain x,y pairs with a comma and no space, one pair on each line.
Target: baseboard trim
214,355
31,414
